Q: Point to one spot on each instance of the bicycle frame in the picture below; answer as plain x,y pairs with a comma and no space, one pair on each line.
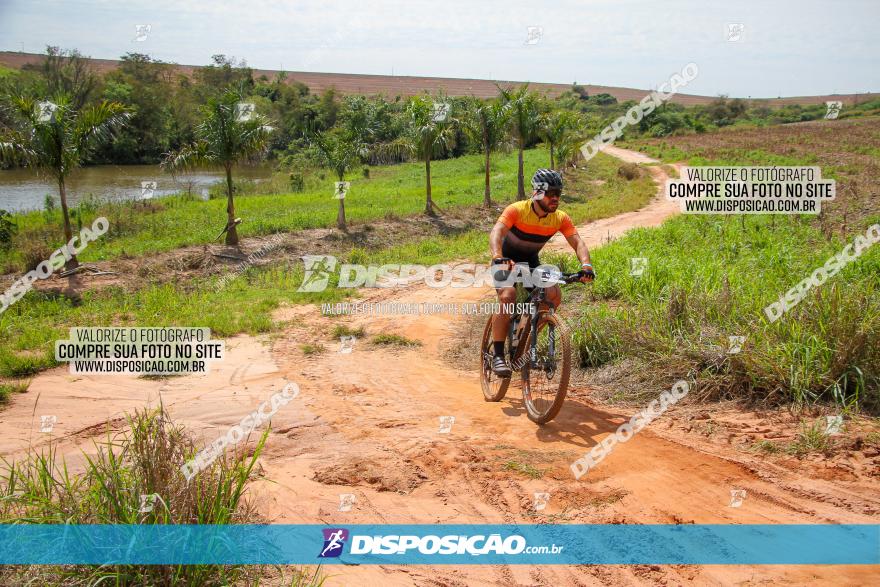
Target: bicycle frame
535,298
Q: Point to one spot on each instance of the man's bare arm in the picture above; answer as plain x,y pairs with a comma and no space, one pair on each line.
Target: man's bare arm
499,231
580,247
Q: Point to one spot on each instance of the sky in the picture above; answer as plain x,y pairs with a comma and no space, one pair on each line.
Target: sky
776,48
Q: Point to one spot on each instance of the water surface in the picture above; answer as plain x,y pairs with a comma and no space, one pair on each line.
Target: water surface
23,189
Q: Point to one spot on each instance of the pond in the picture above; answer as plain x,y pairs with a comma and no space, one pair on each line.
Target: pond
23,189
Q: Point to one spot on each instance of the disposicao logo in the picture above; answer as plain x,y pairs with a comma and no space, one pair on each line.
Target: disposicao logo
318,270
334,541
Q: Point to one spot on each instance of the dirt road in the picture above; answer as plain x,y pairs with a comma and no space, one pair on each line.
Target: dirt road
367,423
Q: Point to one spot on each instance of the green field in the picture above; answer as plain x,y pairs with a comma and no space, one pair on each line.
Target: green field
173,222
31,326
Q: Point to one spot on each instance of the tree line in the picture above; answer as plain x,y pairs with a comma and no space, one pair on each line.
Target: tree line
147,111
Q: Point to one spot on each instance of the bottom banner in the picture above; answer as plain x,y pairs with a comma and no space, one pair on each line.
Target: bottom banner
425,544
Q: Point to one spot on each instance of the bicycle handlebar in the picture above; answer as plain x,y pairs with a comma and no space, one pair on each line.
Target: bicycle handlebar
566,277
571,277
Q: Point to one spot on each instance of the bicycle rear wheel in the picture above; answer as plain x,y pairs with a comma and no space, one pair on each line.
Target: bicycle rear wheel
494,387
545,375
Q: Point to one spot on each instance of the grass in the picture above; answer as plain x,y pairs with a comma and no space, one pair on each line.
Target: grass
312,349
344,330
29,328
609,499
678,315
711,277
766,447
523,469
244,305
144,459
139,228
7,389
395,340
810,439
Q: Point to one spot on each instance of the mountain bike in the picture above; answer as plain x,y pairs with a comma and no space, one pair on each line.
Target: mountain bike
538,346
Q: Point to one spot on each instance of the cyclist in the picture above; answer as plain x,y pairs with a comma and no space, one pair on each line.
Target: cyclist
520,233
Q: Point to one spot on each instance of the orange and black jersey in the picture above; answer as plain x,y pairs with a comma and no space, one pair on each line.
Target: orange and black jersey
528,232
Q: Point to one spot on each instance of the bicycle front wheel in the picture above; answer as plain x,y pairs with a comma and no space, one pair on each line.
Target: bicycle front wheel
546,369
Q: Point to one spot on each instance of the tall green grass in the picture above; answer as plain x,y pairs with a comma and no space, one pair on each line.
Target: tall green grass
7,389
243,305
709,278
144,459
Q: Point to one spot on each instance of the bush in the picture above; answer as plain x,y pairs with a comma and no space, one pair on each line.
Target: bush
297,182
7,229
604,99
666,123
629,171
33,252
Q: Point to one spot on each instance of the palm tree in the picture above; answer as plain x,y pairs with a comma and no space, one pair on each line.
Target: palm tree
487,123
555,127
426,134
56,138
340,151
525,114
568,149
223,139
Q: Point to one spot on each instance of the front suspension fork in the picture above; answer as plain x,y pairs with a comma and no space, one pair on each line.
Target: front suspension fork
533,345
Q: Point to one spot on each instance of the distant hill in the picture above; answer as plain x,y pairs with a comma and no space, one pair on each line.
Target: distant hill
354,83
